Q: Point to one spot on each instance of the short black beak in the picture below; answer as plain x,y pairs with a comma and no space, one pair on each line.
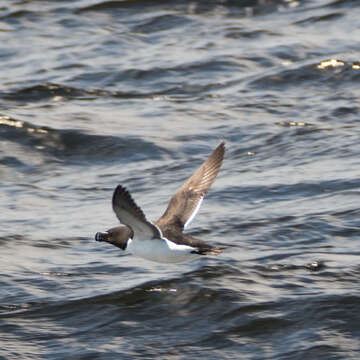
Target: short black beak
99,236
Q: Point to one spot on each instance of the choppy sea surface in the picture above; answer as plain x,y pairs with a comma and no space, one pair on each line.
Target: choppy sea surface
99,93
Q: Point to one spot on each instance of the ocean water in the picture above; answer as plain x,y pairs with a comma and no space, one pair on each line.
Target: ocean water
99,93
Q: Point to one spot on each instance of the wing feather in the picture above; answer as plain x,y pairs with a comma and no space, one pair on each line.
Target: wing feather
132,216
185,204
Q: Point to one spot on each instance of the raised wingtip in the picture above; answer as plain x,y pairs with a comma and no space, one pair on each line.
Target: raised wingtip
221,148
120,191
121,196
217,156
222,144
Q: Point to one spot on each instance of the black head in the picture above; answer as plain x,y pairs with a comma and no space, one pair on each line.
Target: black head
117,236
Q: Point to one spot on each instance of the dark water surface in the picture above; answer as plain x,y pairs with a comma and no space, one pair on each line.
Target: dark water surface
96,93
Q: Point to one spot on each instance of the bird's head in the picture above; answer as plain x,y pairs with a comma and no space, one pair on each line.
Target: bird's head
117,236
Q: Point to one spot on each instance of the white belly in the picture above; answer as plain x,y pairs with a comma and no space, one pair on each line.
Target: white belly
163,251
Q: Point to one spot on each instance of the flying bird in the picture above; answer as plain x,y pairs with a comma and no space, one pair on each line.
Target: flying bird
164,241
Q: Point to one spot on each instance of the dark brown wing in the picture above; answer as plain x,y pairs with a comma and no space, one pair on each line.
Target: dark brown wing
132,216
184,205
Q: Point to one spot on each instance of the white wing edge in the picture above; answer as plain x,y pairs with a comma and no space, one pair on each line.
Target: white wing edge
192,216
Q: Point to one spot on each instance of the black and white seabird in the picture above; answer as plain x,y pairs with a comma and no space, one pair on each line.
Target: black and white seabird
164,240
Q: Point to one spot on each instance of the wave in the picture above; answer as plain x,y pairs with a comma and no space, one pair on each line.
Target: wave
73,146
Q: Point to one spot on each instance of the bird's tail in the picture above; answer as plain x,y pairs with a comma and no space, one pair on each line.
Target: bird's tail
214,250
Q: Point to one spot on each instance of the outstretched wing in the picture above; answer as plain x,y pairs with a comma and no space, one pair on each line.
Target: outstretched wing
132,216
185,204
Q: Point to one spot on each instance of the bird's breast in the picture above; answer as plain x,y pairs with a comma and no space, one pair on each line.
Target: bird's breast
160,250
